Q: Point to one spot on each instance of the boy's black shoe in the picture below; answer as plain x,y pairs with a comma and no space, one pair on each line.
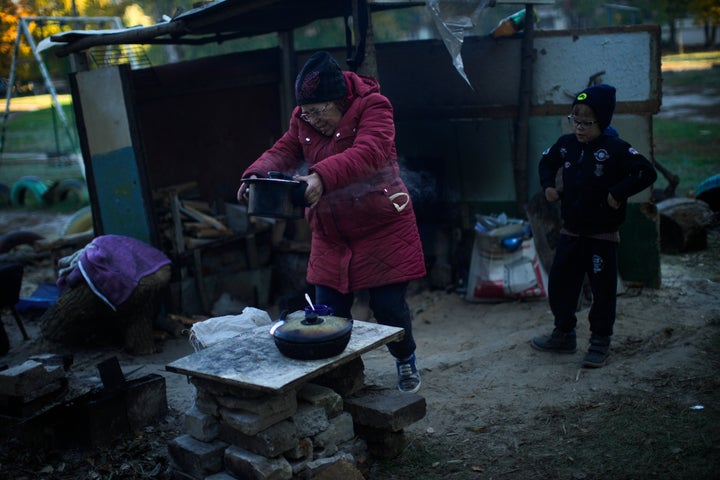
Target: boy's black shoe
558,341
597,353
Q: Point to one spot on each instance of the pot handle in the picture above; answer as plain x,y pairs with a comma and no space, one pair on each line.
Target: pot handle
278,324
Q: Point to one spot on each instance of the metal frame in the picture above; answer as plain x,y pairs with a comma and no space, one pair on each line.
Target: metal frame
24,29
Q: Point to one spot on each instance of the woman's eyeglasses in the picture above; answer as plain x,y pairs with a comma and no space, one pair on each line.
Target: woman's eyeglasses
313,114
579,123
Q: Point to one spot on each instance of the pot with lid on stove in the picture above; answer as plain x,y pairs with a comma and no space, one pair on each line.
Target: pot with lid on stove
312,336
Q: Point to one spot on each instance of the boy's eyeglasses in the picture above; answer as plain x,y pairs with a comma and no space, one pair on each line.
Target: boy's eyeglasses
578,123
313,114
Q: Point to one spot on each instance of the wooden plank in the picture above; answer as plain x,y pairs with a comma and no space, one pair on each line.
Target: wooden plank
177,223
200,281
201,217
252,361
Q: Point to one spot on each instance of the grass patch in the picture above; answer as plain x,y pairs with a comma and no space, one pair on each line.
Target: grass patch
37,102
689,149
690,61
692,80
40,129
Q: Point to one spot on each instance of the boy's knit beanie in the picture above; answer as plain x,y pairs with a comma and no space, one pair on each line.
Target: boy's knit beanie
320,80
601,98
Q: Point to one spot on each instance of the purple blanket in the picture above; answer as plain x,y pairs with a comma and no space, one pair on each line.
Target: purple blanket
112,266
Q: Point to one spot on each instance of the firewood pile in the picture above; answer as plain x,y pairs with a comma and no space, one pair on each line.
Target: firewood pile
184,222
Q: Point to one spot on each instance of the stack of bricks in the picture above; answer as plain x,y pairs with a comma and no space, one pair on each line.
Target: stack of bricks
326,429
31,385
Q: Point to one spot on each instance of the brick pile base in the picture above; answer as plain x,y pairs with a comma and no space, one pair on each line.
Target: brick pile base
326,429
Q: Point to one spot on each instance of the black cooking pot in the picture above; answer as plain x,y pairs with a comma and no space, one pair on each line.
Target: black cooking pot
312,337
277,196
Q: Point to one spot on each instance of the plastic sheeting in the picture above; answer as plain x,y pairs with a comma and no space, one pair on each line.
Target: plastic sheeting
454,19
213,330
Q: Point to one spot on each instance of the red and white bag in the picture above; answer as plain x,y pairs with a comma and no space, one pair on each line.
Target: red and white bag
505,265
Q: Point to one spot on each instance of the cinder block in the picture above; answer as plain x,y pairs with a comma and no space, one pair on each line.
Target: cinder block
197,458
310,420
302,451
322,464
340,469
243,464
145,400
27,379
386,409
251,423
358,448
271,442
265,405
206,403
340,430
201,426
321,396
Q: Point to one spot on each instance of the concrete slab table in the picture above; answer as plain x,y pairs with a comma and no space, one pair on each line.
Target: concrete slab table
252,361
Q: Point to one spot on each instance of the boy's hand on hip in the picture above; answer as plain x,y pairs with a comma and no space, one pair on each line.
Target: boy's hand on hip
614,204
551,194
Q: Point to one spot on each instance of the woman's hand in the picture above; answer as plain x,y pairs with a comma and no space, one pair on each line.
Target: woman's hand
551,194
242,191
314,189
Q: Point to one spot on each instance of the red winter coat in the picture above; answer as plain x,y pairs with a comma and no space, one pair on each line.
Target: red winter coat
364,232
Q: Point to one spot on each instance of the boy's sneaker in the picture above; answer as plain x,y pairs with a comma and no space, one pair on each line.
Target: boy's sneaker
598,352
558,341
408,375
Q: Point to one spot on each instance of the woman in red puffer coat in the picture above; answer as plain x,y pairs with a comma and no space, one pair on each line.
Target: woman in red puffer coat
364,231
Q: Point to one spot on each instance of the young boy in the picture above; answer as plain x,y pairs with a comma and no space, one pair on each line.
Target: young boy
599,172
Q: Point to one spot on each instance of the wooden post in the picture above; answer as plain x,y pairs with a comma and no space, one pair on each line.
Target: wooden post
522,122
364,39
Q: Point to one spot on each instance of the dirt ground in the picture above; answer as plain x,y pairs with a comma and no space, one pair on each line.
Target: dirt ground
495,407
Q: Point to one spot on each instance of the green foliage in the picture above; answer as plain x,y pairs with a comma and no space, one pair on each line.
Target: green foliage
689,146
325,33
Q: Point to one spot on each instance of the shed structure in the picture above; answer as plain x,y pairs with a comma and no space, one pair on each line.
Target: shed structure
146,131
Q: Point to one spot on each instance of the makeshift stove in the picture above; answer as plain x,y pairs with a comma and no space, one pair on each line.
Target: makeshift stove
261,415
40,408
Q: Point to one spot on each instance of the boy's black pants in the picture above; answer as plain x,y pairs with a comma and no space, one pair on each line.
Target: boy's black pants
575,257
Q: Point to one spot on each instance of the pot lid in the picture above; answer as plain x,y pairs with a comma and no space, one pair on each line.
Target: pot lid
313,328
273,177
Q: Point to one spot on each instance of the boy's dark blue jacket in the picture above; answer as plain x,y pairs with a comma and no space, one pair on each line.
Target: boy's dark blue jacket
591,171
